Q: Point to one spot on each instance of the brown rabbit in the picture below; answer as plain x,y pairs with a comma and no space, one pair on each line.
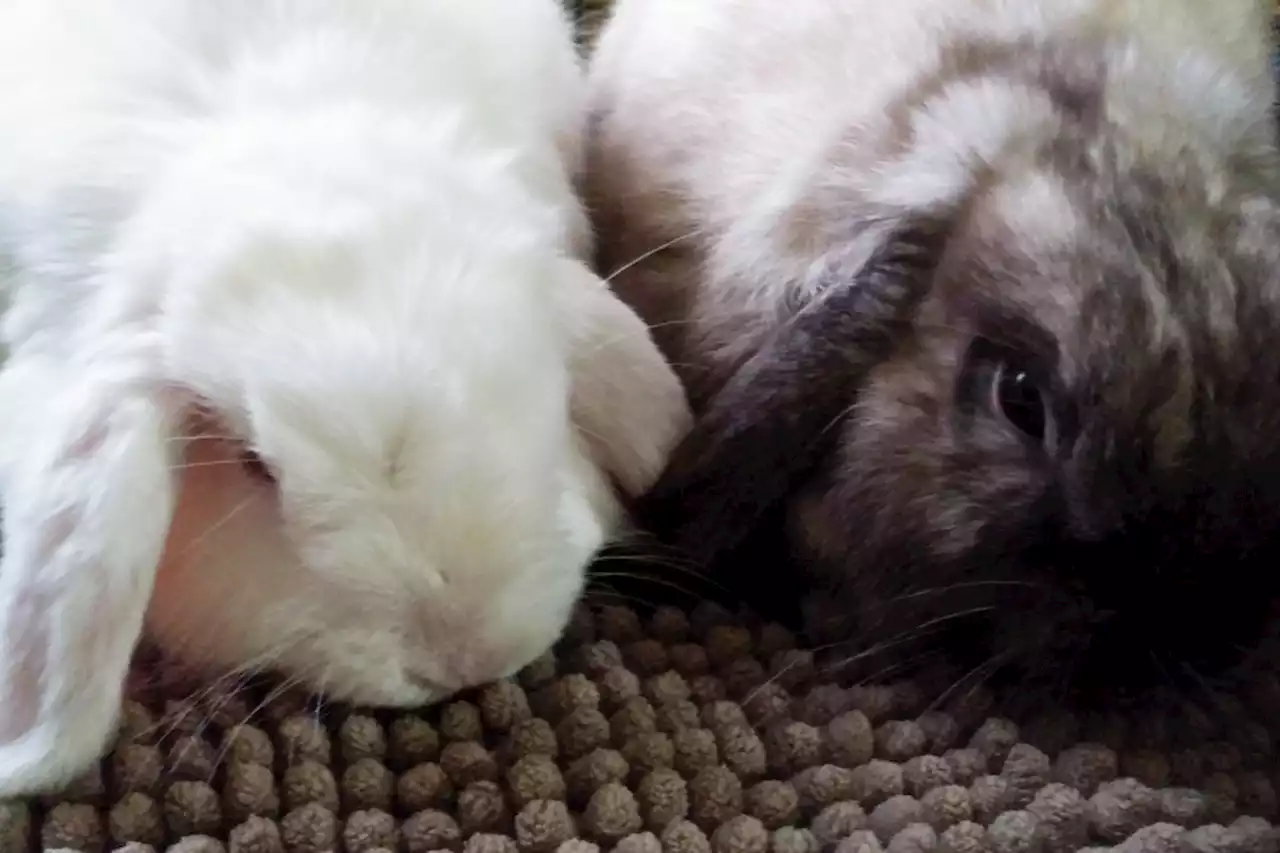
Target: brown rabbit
981,298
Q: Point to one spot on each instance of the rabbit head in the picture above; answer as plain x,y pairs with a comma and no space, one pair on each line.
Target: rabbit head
372,447
1038,417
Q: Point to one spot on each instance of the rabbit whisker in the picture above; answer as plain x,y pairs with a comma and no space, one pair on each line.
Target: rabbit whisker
787,667
657,562
643,579
975,677
165,727
201,436
654,251
207,463
219,524
962,586
604,594
906,663
923,629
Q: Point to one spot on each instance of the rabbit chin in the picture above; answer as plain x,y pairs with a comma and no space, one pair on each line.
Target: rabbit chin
232,595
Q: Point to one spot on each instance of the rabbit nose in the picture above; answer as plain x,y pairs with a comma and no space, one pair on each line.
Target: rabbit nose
466,664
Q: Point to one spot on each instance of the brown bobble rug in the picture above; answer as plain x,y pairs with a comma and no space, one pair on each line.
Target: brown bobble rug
672,734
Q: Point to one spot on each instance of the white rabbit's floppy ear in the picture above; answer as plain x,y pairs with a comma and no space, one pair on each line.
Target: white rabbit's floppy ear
87,500
627,401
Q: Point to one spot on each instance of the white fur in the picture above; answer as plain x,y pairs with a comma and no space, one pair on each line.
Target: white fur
341,233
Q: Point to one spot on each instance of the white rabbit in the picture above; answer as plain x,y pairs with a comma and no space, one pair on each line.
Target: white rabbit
306,369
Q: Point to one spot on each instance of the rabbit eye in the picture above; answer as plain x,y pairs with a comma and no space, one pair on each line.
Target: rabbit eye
1020,400
255,467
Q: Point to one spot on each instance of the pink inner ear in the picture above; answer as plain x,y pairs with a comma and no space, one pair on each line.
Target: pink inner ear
211,484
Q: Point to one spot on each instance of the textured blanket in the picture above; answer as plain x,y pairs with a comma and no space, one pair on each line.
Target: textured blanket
677,733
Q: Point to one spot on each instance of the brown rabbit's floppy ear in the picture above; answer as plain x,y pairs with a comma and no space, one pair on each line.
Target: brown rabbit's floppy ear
87,500
626,400
772,422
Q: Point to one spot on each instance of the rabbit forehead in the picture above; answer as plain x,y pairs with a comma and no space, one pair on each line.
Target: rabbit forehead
307,313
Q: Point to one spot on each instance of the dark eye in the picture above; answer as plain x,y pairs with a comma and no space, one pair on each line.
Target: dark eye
1020,399
255,467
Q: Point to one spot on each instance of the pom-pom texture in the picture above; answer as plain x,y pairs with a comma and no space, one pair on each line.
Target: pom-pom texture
589,750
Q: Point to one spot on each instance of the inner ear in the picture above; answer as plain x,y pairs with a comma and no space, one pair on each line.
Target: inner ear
773,422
